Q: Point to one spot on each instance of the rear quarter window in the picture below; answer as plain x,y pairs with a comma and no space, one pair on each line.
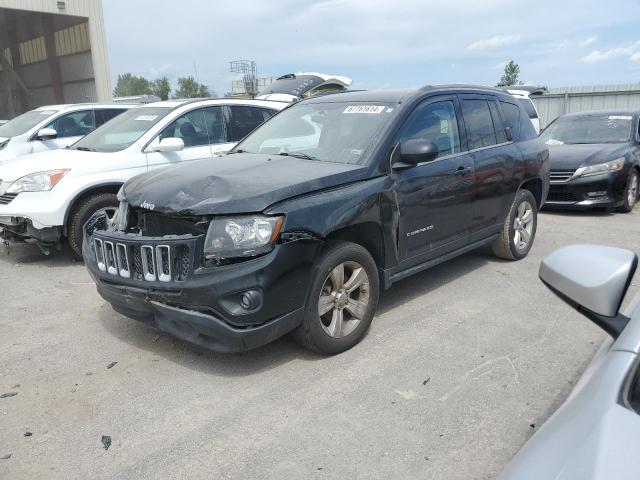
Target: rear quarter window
511,118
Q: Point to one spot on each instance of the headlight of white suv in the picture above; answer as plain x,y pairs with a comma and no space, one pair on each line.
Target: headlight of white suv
37,182
236,237
612,166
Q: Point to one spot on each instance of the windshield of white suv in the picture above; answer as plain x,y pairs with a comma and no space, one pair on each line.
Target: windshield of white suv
583,129
341,132
25,122
122,131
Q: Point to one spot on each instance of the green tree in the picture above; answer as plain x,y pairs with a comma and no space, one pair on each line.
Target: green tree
161,88
510,75
189,88
129,85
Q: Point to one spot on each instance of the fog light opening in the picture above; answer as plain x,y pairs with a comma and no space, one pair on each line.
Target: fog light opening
250,300
601,193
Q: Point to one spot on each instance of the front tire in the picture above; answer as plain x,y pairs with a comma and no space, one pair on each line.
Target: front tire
90,206
344,294
630,192
519,228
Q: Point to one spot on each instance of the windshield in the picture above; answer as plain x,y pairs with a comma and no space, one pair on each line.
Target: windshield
329,132
588,129
25,122
122,131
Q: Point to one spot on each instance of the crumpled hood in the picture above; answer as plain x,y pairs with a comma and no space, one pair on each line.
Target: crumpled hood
570,157
237,183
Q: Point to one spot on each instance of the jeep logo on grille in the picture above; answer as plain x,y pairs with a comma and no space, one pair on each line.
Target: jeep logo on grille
148,206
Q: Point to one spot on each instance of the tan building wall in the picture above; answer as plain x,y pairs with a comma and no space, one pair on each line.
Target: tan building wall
74,29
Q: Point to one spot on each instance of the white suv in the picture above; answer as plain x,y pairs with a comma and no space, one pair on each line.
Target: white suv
48,196
53,127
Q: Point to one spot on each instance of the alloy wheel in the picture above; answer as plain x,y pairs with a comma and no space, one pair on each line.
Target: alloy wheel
523,226
344,299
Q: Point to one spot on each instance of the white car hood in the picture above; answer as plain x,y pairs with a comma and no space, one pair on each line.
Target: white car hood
2,139
76,160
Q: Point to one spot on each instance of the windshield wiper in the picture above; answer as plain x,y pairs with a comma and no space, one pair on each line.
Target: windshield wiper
298,155
83,149
238,151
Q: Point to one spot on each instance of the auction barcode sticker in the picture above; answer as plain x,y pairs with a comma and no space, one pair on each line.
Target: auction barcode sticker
619,117
364,109
146,118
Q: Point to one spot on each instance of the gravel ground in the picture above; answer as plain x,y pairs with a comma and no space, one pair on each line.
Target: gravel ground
462,364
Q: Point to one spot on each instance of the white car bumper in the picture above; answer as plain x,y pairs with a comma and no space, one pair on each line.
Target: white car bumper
41,209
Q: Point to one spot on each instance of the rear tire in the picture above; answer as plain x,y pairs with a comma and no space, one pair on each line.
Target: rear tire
342,299
630,192
519,228
89,207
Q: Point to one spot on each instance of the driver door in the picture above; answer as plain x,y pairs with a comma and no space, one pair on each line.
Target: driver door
435,197
191,127
71,127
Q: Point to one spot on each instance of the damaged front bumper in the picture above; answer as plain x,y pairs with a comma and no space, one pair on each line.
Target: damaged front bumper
22,229
227,308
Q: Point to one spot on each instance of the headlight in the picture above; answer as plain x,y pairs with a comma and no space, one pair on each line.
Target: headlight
612,166
37,182
241,236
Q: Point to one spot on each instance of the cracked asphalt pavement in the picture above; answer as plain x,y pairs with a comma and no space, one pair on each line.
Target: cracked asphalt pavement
462,364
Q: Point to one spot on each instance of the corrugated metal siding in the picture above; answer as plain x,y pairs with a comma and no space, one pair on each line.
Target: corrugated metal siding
559,101
91,9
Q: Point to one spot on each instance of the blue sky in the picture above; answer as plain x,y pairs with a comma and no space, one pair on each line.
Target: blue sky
380,44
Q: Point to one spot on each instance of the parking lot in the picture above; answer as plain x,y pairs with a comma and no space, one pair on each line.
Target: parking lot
462,364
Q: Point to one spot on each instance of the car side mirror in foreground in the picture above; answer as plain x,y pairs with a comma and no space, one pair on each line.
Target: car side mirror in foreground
593,279
171,144
417,150
47,134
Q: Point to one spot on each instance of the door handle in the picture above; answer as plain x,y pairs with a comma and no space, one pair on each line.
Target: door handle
462,170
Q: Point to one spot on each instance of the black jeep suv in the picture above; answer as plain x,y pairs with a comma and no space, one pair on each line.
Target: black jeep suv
299,226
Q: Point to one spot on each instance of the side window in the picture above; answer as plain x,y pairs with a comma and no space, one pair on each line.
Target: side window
76,124
477,119
501,136
190,127
437,123
103,116
511,117
214,119
243,120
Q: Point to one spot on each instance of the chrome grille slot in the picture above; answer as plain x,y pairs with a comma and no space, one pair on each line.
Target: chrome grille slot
122,257
163,262
148,263
558,176
99,249
110,258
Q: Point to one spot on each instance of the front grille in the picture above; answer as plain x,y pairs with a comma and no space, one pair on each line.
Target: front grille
559,176
146,260
153,224
562,197
7,198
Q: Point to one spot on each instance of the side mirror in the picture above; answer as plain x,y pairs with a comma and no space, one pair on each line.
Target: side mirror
171,144
593,279
417,150
508,134
47,134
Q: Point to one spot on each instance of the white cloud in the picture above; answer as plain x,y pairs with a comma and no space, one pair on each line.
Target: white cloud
629,51
588,41
635,57
494,42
